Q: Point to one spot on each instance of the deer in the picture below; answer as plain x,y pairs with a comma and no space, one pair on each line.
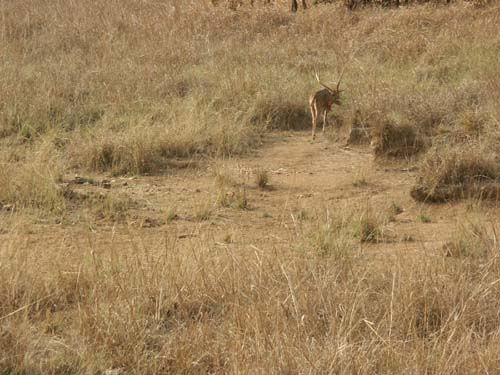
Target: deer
321,103
295,5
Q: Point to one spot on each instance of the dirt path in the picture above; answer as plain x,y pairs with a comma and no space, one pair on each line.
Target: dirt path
305,179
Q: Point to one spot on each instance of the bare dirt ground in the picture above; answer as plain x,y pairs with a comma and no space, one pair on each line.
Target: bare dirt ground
305,178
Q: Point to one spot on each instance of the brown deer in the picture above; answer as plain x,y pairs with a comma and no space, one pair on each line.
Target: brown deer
321,103
295,5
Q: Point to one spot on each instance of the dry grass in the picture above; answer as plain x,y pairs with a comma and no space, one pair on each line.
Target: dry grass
127,94
457,172
262,178
104,304
28,180
397,140
121,87
230,191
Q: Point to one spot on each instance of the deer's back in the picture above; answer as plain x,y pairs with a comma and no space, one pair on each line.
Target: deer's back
321,97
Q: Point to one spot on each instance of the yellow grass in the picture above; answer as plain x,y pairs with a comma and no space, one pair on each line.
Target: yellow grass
123,87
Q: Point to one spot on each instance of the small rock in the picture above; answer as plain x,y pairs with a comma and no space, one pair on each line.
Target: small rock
125,183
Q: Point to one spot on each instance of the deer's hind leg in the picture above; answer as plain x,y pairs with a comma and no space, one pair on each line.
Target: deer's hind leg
314,114
325,113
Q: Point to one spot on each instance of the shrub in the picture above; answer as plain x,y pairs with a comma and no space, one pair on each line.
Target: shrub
455,172
397,140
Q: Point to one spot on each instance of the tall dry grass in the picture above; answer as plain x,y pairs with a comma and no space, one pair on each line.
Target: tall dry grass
121,86
160,305
130,85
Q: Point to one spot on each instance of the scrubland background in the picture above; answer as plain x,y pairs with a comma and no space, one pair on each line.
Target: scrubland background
122,88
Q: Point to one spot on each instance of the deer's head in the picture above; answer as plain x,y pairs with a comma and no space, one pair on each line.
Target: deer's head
334,92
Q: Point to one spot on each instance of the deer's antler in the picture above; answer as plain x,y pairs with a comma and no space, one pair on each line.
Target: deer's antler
340,79
322,84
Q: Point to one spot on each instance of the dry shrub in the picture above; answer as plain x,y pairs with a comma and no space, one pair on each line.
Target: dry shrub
397,140
281,115
456,172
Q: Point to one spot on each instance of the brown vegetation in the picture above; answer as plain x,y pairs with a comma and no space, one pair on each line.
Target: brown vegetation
170,270
450,173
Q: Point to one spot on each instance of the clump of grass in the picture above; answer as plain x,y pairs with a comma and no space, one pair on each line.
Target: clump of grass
203,211
111,206
423,218
360,181
330,236
227,238
262,178
407,238
32,183
302,214
230,193
471,122
394,210
369,227
171,214
470,240
236,198
457,172
396,140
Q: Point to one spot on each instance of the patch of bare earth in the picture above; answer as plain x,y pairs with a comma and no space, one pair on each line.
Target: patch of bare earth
304,177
